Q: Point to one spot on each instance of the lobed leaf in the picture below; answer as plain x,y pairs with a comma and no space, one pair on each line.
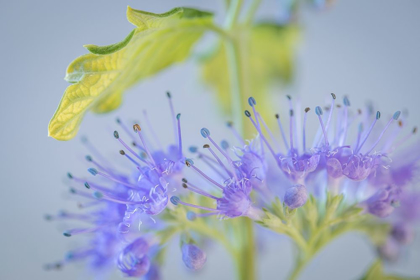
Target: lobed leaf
102,76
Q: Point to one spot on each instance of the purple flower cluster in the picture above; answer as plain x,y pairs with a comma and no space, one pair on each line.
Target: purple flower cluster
123,209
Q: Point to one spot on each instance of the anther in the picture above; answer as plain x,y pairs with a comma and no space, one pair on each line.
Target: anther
333,96
359,111
87,185
251,101
378,115
307,109
192,149
346,101
247,113
229,124
118,120
206,146
184,180
396,115
191,216
318,111
168,94
122,152
175,200
205,132
116,135
93,171
88,158
415,130
289,97
189,162
291,113
400,123
69,175
136,127
67,234
185,186
178,116
48,217
97,194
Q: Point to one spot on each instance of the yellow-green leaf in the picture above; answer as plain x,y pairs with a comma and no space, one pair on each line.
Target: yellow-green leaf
101,77
266,52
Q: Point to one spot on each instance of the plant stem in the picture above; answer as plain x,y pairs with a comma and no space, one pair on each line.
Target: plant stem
251,11
299,266
246,251
236,86
233,13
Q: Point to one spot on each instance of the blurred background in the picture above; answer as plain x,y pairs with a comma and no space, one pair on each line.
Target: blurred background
365,49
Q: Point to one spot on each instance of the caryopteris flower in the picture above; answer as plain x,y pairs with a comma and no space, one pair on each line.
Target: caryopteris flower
349,178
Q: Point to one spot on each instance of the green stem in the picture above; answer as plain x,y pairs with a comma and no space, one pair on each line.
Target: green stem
246,265
236,85
251,11
233,13
299,266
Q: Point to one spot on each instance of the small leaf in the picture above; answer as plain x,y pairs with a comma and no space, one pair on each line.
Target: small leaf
102,76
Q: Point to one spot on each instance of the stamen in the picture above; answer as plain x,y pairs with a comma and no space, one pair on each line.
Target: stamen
273,139
235,132
282,132
248,114
307,109
95,152
76,231
291,129
359,134
319,113
252,103
176,200
117,136
346,102
137,129
171,105
207,146
206,134
378,116
95,172
404,140
101,196
129,158
152,131
224,144
327,124
209,161
178,117
198,190
190,163
394,118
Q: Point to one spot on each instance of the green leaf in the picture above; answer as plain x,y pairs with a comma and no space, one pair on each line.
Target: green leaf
102,76
267,55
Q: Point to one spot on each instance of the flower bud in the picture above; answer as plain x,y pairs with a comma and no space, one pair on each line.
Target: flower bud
295,196
133,261
402,233
193,257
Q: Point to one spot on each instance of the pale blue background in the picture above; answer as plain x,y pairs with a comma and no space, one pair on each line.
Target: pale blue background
366,49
